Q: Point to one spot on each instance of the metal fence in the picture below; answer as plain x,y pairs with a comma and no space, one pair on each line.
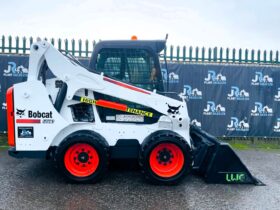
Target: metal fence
83,48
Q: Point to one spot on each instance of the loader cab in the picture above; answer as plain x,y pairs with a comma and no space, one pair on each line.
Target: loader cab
134,62
131,61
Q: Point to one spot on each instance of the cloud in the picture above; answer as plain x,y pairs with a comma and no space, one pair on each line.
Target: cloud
231,23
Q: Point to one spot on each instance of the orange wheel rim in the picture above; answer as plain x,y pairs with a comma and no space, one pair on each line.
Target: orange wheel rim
166,160
81,160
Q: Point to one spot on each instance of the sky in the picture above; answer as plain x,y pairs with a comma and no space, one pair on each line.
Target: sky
251,24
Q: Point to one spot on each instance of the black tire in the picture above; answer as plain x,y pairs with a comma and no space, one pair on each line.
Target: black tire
156,140
89,140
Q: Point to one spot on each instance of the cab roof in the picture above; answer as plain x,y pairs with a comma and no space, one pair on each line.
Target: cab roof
154,45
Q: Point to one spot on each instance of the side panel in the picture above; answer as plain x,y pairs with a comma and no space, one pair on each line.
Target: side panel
112,132
36,120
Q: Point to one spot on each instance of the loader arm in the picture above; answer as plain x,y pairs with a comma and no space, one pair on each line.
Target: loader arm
77,77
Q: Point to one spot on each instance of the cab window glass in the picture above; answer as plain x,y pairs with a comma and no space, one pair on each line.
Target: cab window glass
135,66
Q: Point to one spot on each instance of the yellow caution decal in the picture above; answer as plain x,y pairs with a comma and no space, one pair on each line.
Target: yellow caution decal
139,112
88,100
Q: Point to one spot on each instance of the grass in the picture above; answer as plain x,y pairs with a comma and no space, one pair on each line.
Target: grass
3,142
256,145
236,144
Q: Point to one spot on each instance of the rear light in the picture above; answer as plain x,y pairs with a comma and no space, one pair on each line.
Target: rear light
10,116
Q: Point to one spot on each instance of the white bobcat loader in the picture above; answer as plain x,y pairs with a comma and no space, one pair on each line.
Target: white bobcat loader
115,109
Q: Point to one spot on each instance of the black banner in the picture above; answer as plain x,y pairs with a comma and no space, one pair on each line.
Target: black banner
230,100
223,99
13,69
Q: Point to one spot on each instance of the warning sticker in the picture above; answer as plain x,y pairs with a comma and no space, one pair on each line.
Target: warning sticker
88,100
139,112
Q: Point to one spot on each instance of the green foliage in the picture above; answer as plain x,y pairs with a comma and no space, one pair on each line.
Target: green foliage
259,144
3,142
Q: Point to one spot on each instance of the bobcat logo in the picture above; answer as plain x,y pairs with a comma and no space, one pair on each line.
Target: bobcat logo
173,109
20,112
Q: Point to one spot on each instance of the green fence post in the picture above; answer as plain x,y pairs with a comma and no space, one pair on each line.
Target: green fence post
171,52
66,46
24,45
10,44
190,51
196,54
184,53
203,54
246,55
52,41
80,47
3,43
271,57
178,53
268,57
233,55
264,56
227,55
240,55
215,52
209,54
86,43
59,44
30,41
253,56
17,44
221,54
73,46
259,56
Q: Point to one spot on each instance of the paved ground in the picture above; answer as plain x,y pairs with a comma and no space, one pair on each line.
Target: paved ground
36,184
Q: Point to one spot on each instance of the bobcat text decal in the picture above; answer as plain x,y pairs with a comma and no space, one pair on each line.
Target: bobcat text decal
34,117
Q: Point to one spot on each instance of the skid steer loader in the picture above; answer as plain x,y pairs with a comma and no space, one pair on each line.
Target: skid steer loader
115,109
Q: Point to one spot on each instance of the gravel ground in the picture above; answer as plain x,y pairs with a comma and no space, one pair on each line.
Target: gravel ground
36,184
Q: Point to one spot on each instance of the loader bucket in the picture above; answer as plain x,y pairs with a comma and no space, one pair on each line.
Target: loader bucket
217,161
